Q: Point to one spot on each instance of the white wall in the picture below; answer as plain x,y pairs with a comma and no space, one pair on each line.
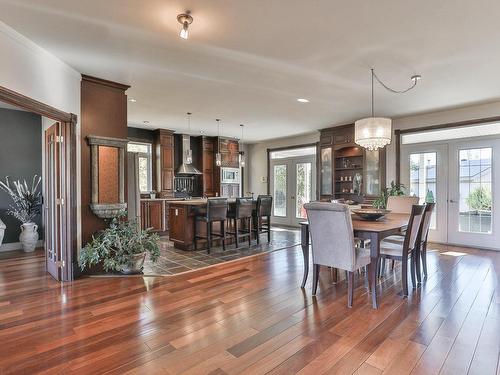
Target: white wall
472,112
257,160
30,70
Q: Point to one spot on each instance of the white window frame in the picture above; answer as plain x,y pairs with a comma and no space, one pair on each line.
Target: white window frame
149,157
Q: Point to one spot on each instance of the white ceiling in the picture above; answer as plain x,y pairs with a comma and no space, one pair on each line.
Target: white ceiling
247,61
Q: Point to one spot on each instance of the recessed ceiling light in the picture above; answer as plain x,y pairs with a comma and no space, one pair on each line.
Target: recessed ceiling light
302,100
132,100
145,122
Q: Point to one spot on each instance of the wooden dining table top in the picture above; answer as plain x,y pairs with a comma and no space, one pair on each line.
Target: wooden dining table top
389,222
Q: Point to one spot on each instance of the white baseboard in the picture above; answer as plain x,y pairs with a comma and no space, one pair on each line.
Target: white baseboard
16,246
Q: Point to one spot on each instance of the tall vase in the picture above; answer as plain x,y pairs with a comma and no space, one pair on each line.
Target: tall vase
29,236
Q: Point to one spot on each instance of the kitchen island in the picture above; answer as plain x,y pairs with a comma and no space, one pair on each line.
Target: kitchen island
181,223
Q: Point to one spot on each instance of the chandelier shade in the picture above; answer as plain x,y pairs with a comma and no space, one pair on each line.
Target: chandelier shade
373,133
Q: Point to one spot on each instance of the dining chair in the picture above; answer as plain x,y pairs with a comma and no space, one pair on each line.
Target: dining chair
216,211
332,243
422,240
401,204
241,213
262,211
402,251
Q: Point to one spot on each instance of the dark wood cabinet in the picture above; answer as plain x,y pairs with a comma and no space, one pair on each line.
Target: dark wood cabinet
229,149
165,162
208,166
153,215
341,162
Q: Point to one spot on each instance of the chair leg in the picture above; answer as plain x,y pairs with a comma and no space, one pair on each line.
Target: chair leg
269,229
382,269
350,288
315,278
194,238
404,275
236,233
249,231
392,265
223,232
423,254
209,236
256,228
413,269
417,264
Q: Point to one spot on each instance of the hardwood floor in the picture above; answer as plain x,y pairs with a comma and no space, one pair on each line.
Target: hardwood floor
251,317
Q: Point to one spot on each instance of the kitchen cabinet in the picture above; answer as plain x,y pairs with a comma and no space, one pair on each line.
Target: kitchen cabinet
153,215
208,166
165,162
342,163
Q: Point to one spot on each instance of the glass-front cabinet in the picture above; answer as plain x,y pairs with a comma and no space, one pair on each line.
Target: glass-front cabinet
348,171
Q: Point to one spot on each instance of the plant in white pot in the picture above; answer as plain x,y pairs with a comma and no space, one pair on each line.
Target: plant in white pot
122,247
27,202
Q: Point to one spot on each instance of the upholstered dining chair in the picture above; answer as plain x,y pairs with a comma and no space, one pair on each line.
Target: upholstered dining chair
402,251
332,242
401,205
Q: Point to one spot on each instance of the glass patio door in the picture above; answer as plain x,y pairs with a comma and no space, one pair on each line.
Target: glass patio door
424,173
474,194
293,183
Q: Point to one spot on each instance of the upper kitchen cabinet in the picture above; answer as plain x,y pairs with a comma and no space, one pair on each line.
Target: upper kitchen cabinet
348,171
207,164
229,149
165,162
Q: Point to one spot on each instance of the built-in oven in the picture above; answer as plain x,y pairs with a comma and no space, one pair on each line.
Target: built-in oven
230,176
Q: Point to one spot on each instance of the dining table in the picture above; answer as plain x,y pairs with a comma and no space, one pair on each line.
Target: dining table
375,231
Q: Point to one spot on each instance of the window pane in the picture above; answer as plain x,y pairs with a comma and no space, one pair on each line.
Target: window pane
475,190
279,194
326,171
304,187
142,148
143,174
423,179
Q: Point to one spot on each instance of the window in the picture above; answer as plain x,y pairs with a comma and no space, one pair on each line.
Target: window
145,164
423,179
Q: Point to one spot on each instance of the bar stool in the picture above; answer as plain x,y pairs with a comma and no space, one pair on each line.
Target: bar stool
262,210
216,211
241,212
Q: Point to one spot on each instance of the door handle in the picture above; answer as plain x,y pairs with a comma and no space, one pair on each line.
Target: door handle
453,201
292,197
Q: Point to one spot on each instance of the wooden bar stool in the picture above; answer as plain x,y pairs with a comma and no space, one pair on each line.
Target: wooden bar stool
239,213
262,210
216,211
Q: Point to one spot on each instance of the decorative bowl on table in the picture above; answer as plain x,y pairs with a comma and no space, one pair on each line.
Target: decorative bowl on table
371,214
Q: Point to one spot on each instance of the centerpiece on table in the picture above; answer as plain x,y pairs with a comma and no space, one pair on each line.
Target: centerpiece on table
122,247
27,202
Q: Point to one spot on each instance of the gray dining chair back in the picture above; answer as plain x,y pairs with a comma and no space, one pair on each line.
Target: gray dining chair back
332,235
416,217
401,205
426,221
264,205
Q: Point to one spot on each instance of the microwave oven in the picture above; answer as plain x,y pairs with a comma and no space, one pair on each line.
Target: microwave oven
230,176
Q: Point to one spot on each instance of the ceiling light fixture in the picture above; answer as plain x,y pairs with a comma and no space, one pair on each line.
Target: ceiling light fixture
373,132
145,122
189,153
302,100
132,100
218,155
185,20
242,157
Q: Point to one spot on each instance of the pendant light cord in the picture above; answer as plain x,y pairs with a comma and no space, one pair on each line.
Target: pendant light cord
414,79
373,100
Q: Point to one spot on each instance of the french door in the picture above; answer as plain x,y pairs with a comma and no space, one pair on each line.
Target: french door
293,183
461,178
53,200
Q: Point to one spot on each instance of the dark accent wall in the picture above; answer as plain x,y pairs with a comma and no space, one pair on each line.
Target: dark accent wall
20,158
103,113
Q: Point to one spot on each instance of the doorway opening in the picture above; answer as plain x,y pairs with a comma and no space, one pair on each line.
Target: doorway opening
45,147
292,183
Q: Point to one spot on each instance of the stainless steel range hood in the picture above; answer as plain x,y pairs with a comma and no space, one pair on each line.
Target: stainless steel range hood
186,169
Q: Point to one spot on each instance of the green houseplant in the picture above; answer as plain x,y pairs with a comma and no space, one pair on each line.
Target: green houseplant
393,190
121,247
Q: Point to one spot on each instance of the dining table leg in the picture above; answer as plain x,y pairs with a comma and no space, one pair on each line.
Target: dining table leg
374,255
304,241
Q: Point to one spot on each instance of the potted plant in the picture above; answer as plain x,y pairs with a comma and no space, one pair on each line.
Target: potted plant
122,247
393,190
27,202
